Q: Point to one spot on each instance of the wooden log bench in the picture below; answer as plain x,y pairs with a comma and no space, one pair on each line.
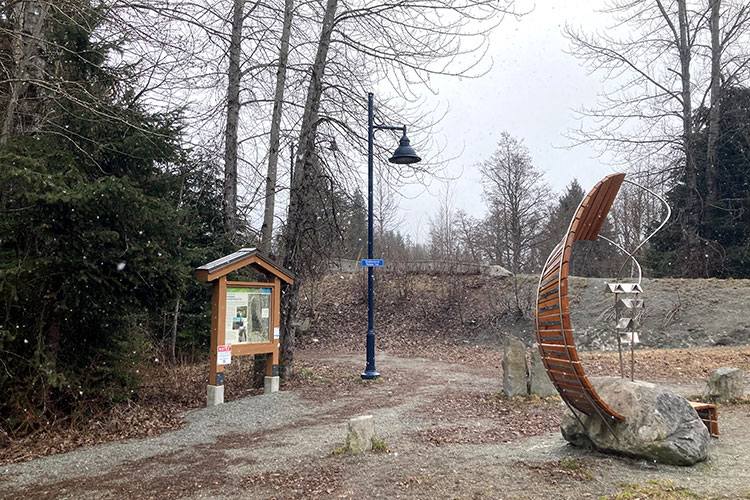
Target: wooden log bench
710,416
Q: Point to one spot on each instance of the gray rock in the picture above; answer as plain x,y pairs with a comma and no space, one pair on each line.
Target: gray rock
497,271
361,432
539,382
724,384
515,370
303,325
659,425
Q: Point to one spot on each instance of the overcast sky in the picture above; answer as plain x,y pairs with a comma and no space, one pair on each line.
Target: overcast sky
531,92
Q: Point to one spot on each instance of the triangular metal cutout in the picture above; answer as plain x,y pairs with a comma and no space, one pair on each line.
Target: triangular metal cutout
625,323
629,304
627,337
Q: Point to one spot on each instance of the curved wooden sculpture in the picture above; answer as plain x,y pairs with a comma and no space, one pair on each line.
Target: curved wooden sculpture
554,332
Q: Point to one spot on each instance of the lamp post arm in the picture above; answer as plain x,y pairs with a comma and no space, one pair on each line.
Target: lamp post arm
402,128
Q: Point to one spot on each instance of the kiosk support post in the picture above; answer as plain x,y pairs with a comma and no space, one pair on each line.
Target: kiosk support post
215,394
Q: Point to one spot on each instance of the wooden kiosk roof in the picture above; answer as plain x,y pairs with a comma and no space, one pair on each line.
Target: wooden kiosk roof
554,332
241,258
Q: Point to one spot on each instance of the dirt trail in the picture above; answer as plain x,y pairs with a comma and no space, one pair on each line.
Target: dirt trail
449,436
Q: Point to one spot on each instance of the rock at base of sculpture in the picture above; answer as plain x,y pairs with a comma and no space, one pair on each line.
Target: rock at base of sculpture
539,382
724,384
361,432
515,372
659,425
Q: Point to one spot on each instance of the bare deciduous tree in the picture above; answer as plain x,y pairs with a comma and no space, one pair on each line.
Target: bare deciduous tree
304,171
654,61
470,236
715,109
400,44
385,214
444,242
234,76
517,197
266,231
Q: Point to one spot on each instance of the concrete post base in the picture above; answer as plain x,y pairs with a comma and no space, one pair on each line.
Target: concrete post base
215,395
270,384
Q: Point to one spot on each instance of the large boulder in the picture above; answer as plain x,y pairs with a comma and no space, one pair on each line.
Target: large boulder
539,382
515,371
724,384
659,425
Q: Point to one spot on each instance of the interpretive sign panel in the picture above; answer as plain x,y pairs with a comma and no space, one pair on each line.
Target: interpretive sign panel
248,319
224,355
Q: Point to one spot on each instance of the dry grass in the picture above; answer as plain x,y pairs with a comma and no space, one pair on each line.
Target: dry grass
158,406
495,418
569,468
654,490
677,365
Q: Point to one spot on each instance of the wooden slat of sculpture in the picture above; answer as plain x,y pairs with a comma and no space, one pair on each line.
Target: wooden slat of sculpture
554,332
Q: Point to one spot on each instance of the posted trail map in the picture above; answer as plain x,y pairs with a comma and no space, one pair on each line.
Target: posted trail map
248,315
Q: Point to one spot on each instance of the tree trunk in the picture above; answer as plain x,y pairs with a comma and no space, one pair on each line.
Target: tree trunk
266,230
233,114
302,167
687,103
715,111
28,64
51,346
52,334
693,204
173,350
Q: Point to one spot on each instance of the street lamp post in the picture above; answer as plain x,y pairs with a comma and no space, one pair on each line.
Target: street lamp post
404,155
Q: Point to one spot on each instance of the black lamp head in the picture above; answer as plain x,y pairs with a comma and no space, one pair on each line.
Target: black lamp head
404,154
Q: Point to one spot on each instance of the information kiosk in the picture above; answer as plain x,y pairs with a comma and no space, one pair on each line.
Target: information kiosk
245,316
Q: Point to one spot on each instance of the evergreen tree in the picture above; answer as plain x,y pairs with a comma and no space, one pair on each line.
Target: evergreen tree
94,234
725,226
589,258
355,229
561,214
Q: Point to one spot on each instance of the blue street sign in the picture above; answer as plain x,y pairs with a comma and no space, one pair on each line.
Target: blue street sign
372,262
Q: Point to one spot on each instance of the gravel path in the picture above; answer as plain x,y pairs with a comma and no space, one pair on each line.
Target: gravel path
278,446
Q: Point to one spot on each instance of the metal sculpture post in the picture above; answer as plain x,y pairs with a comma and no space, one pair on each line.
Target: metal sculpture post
628,306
